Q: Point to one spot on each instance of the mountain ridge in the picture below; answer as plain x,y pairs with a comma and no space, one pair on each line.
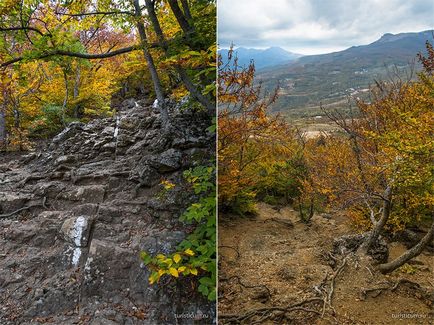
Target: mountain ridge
330,78
261,57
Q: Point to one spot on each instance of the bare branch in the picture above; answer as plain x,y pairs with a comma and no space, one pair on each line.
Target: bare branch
8,29
76,55
95,13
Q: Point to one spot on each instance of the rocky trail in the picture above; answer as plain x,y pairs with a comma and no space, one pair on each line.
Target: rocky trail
75,215
275,269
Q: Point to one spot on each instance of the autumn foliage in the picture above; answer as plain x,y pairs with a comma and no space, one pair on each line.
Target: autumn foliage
62,61
256,150
385,153
376,170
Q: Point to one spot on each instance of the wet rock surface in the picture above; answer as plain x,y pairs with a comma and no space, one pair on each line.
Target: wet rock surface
88,204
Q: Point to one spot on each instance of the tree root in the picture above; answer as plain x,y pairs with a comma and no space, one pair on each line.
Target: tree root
284,222
245,285
332,283
231,247
263,314
42,204
30,178
266,312
379,290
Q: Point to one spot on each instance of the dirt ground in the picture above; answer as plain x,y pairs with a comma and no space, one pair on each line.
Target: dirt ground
274,260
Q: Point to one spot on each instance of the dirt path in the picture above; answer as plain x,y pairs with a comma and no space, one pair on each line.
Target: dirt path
282,256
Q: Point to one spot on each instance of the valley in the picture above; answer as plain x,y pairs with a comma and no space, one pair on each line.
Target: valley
336,80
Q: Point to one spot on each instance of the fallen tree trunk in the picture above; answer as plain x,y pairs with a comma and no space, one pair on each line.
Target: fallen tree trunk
409,254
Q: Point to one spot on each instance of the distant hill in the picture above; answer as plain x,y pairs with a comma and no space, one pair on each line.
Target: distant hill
262,58
330,78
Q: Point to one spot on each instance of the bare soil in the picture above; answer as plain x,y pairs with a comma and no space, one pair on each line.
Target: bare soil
274,252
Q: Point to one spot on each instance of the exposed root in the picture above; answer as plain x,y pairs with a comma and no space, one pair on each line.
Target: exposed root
267,312
281,221
231,247
31,178
245,285
42,204
332,283
376,291
257,316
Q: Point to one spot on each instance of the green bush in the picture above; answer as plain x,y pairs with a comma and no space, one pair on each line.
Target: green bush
196,255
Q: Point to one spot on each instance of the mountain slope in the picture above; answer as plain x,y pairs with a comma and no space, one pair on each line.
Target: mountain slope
75,216
330,78
262,58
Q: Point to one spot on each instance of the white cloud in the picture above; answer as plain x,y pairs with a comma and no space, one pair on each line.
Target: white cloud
315,26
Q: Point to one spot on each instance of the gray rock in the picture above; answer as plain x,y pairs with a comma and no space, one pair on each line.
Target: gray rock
124,140
168,161
128,123
85,194
351,243
65,159
72,129
76,230
42,250
10,201
149,176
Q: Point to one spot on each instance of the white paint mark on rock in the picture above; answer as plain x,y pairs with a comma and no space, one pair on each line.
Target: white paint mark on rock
155,104
115,135
79,226
76,230
76,256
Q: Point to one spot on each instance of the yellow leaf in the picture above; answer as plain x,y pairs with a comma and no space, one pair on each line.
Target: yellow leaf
168,261
194,271
181,269
174,272
189,252
161,272
177,258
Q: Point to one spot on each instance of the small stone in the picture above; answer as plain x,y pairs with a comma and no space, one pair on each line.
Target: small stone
64,159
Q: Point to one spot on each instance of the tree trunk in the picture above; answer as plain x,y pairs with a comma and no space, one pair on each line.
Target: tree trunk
3,133
179,15
409,254
186,9
191,87
77,82
76,92
151,65
378,227
65,100
17,118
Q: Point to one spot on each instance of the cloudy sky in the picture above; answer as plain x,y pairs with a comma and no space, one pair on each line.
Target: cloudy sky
318,26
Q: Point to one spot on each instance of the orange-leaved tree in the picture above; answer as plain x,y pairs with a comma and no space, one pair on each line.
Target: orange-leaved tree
254,146
379,169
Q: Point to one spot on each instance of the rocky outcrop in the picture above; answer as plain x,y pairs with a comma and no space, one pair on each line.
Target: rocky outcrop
85,207
351,243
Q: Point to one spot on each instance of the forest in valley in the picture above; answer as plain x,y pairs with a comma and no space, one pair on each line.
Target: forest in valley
332,228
